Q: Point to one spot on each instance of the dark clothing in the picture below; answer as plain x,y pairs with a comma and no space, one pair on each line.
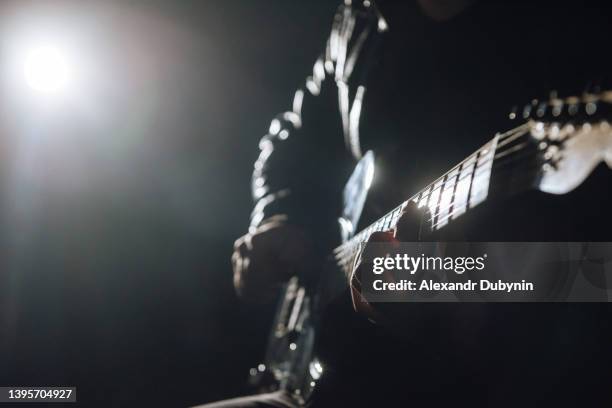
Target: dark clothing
432,93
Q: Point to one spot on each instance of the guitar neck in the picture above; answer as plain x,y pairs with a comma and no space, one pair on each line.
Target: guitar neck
463,187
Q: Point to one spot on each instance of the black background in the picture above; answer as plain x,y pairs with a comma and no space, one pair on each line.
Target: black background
120,206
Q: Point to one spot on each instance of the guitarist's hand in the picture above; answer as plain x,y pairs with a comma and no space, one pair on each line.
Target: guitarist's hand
266,258
407,230
360,303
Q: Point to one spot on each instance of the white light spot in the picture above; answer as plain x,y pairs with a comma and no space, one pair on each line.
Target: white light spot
382,25
46,69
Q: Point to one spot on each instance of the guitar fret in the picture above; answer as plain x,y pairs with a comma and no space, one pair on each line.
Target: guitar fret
446,199
396,214
482,175
388,222
434,199
424,197
464,186
454,193
472,176
452,175
382,223
483,168
391,217
462,189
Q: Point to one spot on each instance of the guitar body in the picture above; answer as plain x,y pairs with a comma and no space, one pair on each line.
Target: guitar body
546,180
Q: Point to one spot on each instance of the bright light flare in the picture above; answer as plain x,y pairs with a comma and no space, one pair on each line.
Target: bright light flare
46,69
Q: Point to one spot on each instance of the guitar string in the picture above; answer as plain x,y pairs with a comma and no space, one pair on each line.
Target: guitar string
350,252
349,247
429,187
437,214
511,132
497,167
446,217
509,136
503,140
524,126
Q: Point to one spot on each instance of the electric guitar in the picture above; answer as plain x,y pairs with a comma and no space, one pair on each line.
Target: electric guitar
554,149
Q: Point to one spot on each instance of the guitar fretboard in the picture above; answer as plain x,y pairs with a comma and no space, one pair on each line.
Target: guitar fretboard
463,187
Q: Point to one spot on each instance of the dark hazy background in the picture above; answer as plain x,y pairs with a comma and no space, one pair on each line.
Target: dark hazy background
119,204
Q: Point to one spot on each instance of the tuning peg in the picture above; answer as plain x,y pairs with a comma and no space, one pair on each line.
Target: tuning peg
556,107
573,105
527,111
591,100
590,107
541,110
512,114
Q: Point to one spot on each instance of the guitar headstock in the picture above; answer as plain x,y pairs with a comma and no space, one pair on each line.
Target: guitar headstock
572,135
588,107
